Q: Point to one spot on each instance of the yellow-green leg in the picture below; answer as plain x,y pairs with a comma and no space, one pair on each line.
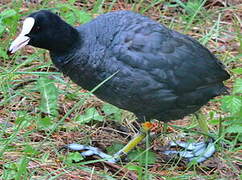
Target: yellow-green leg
203,124
134,142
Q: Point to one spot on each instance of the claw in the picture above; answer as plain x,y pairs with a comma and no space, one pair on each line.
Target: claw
198,152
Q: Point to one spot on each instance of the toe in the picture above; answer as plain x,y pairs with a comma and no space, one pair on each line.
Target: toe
188,146
75,147
198,152
90,151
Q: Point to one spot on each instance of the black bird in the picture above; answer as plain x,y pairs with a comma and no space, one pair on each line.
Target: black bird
152,71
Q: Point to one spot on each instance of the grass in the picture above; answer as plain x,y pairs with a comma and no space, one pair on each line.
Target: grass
31,88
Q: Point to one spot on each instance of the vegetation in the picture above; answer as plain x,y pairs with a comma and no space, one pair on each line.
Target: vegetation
41,110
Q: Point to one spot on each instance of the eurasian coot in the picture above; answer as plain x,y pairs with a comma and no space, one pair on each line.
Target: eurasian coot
156,73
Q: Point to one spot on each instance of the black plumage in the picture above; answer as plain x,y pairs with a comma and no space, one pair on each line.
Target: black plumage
160,73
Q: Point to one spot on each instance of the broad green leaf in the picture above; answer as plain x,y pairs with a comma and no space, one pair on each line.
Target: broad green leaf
10,165
238,86
70,17
240,140
3,53
71,1
71,96
231,120
74,157
138,169
45,122
8,13
134,168
237,70
214,121
8,174
97,9
30,150
232,104
110,109
190,6
22,167
49,95
114,148
90,114
2,28
64,6
140,156
23,118
73,15
113,111
84,17
234,128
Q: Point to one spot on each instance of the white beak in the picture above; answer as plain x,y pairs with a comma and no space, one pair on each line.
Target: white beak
22,40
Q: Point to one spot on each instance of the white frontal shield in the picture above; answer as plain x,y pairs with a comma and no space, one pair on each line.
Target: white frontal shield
22,40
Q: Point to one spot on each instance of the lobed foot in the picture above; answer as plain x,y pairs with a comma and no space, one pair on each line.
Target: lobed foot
90,151
198,152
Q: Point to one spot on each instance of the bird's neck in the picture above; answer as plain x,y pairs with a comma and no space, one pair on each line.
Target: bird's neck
68,39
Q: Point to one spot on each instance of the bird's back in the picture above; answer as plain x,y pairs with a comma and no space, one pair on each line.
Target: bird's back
161,73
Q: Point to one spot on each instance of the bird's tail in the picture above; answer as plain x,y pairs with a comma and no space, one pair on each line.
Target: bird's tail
224,91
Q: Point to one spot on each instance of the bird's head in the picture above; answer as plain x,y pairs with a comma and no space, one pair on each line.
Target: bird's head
44,29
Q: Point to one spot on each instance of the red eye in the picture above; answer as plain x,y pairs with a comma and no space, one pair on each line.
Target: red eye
35,29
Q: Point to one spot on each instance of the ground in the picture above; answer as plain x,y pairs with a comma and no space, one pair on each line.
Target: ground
34,127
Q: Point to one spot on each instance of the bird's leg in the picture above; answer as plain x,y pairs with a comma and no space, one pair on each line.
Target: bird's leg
135,141
89,150
203,124
197,152
165,127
